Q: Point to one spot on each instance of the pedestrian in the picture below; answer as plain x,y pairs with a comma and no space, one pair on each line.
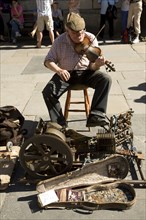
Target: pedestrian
134,15
17,20
103,18
44,18
124,15
72,68
57,18
74,6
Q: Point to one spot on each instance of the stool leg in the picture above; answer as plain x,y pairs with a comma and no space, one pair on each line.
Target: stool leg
67,104
87,102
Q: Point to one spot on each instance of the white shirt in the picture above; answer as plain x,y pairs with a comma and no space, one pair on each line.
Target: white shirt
44,7
104,5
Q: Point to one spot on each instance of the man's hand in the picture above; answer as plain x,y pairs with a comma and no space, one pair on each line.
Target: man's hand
98,63
64,74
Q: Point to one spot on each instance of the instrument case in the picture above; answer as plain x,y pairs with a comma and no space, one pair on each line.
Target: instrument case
112,167
97,185
114,195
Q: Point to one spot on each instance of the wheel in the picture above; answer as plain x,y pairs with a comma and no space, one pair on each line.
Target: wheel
55,132
42,156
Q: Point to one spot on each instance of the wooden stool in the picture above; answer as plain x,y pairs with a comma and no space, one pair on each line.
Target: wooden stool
68,102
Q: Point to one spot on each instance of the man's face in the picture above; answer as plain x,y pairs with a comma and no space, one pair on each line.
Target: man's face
76,36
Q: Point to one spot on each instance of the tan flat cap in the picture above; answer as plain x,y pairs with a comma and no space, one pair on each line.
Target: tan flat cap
75,22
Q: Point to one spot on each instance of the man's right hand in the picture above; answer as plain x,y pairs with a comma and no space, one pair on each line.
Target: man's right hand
64,74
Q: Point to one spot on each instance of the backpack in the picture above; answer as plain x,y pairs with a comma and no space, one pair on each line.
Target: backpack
11,122
128,35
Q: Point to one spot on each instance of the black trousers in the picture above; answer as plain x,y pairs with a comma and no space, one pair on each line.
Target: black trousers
55,88
110,21
1,26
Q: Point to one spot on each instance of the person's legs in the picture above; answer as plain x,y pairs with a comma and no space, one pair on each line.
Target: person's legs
33,32
111,27
101,82
137,16
130,16
14,30
124,17
50,27
51,93
1,29
102,23
40,26
51,35
39,38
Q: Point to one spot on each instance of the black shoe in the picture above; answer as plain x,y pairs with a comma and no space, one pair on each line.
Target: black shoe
95,120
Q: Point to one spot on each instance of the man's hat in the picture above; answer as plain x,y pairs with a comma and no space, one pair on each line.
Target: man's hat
75,22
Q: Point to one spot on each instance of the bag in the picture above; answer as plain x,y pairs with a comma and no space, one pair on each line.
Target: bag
125,37
11,122
128,35
111,12
115,195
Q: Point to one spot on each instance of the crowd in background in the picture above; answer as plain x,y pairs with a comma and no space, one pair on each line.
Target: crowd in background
131,11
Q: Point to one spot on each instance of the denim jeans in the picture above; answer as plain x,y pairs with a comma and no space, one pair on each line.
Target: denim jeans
124,17
14,28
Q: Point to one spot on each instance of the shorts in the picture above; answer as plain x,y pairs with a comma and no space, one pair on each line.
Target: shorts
43,21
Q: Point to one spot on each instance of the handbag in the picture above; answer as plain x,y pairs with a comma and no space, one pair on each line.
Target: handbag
111,11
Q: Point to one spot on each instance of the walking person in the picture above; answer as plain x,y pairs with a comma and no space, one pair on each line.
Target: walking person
134,15
72,68
44,17
103,18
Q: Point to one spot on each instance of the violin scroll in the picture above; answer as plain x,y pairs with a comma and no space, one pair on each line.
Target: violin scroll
109,66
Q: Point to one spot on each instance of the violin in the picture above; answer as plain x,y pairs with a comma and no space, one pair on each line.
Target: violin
92,53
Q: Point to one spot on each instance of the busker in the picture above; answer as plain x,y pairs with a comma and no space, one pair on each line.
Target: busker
73,68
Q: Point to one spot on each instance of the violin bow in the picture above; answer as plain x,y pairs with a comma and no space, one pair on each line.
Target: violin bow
96,36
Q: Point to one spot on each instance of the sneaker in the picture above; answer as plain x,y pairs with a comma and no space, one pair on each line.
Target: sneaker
18,34
95,120
136,40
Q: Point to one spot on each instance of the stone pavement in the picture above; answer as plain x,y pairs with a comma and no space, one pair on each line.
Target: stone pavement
23,76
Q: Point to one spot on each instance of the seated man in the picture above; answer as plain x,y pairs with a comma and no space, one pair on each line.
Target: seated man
72,68
17,20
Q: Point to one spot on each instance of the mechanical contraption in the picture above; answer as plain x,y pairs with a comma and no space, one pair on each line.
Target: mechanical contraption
53,150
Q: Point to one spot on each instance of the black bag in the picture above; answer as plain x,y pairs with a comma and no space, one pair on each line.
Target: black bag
111,12
11,122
